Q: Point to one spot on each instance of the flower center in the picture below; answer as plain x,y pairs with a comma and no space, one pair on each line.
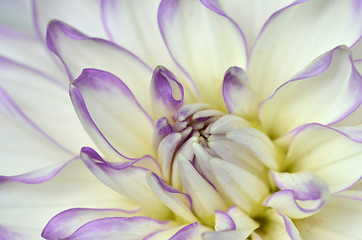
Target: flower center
206,147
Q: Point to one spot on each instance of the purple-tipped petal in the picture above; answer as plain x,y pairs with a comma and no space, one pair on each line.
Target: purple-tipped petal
205,52
116,227
238,94
179,202
68,221
223,222
162,129
126,179
331,154
167,93
95,89
326,91
77,51
291,229
295,35
191,231
300,195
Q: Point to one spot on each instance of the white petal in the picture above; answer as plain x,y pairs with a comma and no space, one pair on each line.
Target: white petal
328,90
332,155
45,101
251,15
68,221
205,199
226,235
258,144
339,219
239,186
27,208
110,113
295,35
27,51
138,21
273,227
85,16
126,179
190,232
24,145
78,51
233,153
203,42
180,203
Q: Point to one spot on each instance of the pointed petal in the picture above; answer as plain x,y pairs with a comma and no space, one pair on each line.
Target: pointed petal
205,198
114,111
73,187
250,15
167,93
126,179
332,155
238,95
297,34
186,26
327,91
340,219
78,51
223,221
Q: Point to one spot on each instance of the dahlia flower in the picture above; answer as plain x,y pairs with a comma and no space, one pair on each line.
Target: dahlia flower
193,119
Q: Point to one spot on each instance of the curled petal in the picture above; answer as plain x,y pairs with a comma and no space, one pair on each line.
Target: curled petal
238,94
332,154
300,195
166,93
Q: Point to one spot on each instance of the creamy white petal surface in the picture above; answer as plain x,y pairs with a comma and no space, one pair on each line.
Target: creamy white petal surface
196,120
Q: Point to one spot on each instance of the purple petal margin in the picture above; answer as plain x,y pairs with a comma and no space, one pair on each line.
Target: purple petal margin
166,10
187,232
37,176
55,27
290,227
78,101
214,6
58,226
161,88
116,226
